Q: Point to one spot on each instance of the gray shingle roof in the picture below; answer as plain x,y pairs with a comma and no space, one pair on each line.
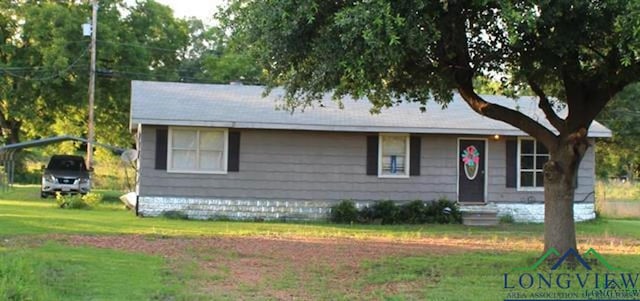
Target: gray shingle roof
243,106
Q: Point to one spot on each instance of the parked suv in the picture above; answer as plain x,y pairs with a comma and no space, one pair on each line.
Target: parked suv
65,174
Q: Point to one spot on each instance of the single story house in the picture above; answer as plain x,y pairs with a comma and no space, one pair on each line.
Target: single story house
225,150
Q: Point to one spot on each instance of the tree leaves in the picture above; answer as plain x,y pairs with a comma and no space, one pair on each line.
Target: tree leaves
44,64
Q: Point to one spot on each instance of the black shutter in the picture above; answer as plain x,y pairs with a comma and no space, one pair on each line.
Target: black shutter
372,155
233,163
162,134
414,155
512,163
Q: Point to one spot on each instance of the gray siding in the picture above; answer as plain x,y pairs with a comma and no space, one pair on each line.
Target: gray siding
329,166
498,192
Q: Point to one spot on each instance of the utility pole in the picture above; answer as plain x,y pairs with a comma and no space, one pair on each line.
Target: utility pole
92,82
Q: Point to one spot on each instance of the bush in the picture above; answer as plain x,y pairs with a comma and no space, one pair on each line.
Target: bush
344,212
413,212
507,219
219,218
385,212
365,215
443,211
174,214
92,199
75,201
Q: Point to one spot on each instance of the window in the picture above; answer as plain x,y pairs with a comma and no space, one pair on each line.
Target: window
533,155
393,160
198,150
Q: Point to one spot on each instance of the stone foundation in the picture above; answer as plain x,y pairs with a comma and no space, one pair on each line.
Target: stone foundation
204,208
534,213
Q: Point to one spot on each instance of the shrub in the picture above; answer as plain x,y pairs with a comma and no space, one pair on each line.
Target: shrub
75,201
92,199
174,214
413,212
219,218
507,219
344,212
365,215
386,212
443,211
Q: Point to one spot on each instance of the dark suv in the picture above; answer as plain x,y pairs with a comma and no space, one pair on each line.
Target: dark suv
65,174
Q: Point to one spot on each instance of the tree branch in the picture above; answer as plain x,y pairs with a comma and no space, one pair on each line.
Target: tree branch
594,50
545,106
4,124
509,116
599,97
454,53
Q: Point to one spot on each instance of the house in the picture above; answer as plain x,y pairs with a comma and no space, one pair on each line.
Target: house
225,150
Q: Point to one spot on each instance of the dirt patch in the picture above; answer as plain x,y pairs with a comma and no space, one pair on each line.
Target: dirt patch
295,268
278,268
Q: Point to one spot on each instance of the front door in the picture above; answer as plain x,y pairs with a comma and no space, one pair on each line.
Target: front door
471,170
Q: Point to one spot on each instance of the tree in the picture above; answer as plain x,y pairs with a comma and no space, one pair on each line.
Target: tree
581,52
620,155
44,64
36,65
212,59
44,70
146,43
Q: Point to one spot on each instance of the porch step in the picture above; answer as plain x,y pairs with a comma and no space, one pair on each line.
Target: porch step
480,218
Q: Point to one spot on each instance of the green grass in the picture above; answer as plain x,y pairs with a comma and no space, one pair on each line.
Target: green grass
33,269
56,272
617,191
479,276
618,200
23,212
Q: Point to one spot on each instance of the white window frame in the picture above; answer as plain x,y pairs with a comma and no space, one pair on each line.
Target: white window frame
407,164
225,154
534,170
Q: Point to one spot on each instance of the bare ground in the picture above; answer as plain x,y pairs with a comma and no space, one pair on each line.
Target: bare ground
277,268
288,268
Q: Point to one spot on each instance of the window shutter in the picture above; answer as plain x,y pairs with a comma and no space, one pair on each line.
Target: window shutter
233,163
372,155
512,163
162,134
415,148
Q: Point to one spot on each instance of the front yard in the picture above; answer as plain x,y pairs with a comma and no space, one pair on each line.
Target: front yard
107,253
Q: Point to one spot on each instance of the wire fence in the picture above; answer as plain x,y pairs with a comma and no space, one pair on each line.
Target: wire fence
618,199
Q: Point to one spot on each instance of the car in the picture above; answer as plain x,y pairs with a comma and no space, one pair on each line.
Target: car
66,174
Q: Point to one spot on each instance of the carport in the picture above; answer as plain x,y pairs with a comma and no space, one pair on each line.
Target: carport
7,155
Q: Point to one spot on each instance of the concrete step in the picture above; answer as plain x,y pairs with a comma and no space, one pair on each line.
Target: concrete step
480,218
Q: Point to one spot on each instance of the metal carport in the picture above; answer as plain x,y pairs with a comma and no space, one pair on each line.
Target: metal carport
7,154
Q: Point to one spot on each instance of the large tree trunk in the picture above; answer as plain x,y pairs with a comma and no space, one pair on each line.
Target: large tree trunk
10,130
14,133
559,226
560,175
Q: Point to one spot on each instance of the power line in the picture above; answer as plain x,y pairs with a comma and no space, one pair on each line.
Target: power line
139,46
99,41
150,75
52,76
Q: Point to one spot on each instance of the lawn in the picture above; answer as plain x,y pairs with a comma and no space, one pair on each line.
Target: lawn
620,200
107,253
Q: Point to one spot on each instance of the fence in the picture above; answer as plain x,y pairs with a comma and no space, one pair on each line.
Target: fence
617,199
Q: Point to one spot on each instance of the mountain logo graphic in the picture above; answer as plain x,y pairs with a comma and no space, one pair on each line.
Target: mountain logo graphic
571,252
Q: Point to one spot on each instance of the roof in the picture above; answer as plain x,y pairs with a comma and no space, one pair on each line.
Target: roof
243,106
38,142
